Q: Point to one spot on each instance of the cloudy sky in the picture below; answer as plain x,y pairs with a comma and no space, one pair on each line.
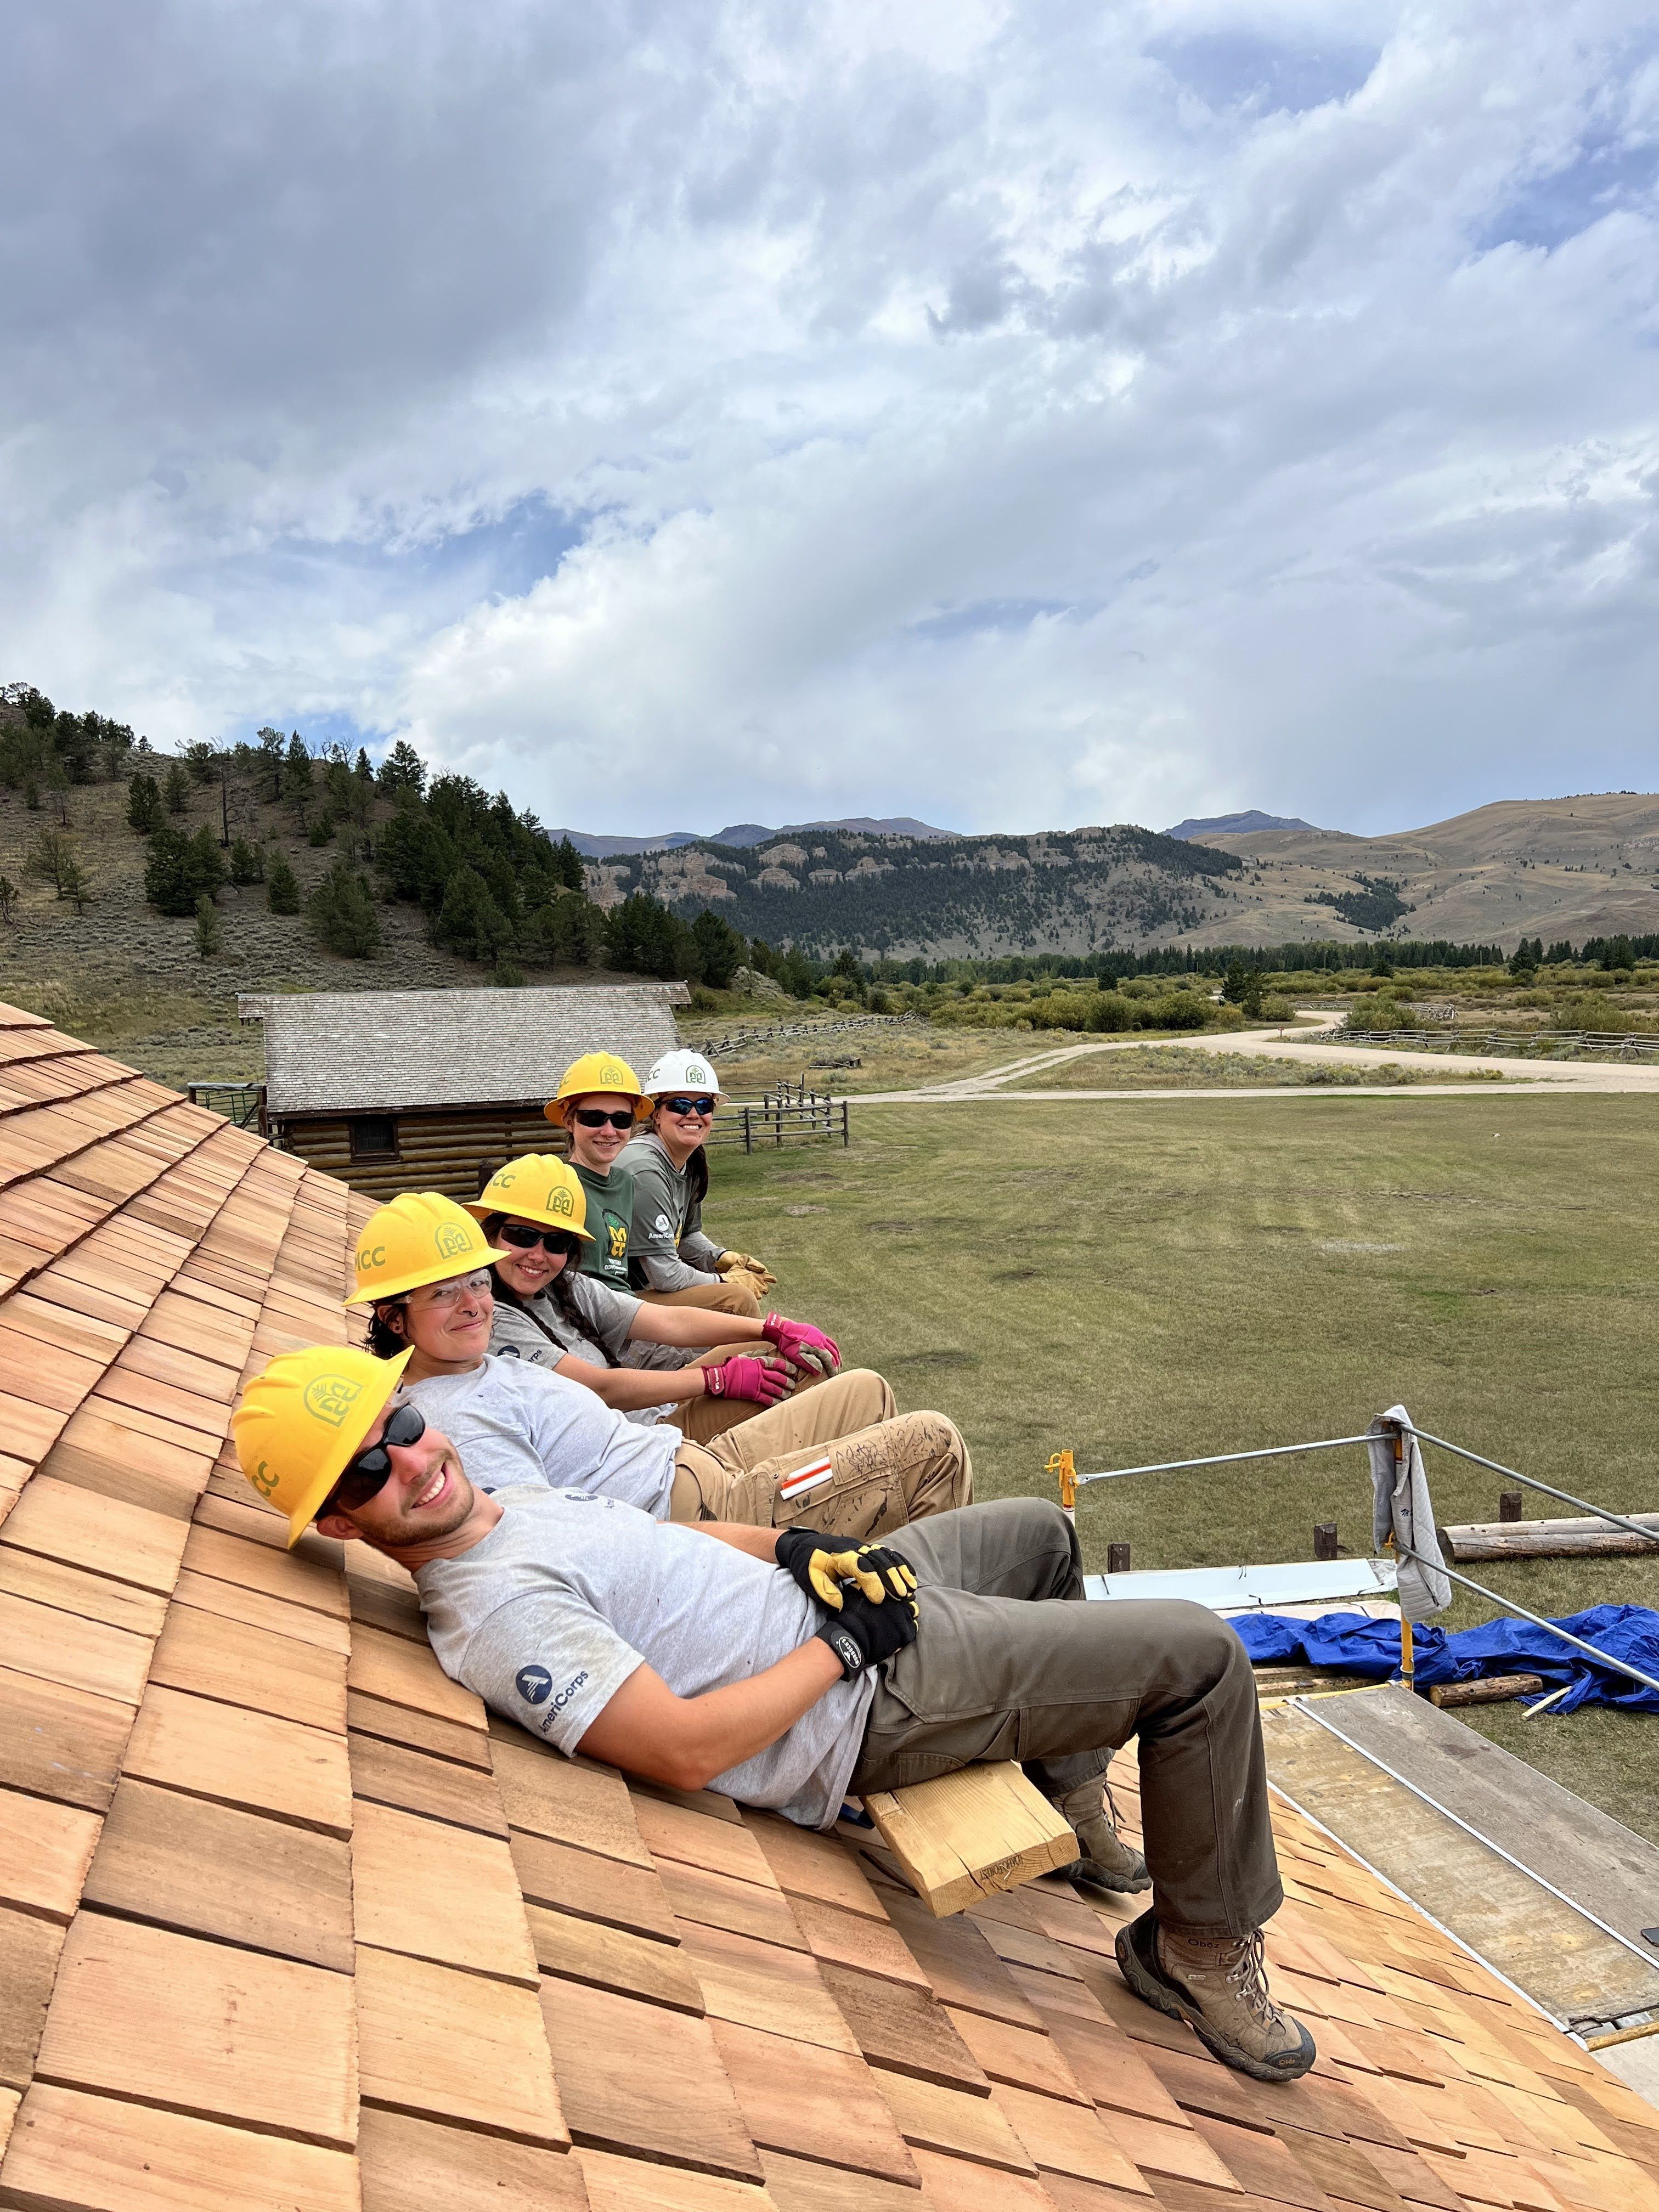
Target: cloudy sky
1010,415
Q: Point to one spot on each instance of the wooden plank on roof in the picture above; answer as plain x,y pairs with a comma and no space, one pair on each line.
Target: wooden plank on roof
60,1743
292,1576
754,1984
439,1892
117,1461
637,2078
607,1958
592,1889
30,1947
245,1666
75,1293
402,1724
46,1848
391,1667
571,1802
81,1654
439,2044
102,1536
85,1597
821,2104
165,1402
410,2166
28,1314
87,2154
965,1836
234,1601
207,1868
202,2028
232,1756
30,1430
810,1865
416,1781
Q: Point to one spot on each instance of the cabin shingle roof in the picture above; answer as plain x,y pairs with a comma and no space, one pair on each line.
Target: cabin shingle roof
288,1920
369,1052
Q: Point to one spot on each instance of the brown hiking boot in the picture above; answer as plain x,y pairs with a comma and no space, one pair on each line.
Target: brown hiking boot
1218,1986
1108,1862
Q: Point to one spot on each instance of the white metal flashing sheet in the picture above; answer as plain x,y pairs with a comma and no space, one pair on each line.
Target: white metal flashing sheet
1295,1582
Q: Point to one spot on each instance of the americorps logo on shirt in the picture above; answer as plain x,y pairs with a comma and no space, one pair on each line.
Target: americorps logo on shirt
535,1685
663,1225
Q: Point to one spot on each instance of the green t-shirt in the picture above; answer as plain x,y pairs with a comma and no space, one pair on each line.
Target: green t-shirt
610,1212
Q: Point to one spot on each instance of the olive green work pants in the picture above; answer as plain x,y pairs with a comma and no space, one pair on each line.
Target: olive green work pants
1009,1663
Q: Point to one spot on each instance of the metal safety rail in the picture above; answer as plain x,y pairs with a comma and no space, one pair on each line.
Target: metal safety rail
1071,1482
242,1103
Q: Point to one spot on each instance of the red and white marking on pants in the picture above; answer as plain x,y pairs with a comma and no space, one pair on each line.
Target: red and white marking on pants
806,1480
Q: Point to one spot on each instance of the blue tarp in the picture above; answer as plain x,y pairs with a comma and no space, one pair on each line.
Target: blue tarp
1360,1645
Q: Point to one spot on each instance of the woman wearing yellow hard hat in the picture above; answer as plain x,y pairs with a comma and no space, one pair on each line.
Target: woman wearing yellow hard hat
703,1363
426,1267
598,1102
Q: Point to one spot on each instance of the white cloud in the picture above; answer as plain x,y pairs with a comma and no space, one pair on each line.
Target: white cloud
1005,416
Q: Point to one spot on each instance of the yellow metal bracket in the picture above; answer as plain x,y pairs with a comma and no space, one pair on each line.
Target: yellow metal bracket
1063,1465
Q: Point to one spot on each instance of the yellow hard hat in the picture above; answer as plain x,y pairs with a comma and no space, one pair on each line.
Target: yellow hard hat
598,1070
419,1238
537,1186
301,1420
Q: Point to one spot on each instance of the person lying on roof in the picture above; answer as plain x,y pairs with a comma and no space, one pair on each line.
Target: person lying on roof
785,1667
840,1451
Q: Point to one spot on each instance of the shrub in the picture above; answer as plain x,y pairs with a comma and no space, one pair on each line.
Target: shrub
342,915
1376,1010
1182,1010
321,831
1110,1013
506,974
1595,1010
283,891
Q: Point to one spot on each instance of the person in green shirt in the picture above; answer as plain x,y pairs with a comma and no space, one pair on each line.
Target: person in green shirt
599,1102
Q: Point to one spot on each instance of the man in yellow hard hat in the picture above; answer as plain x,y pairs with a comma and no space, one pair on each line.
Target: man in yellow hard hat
785,1667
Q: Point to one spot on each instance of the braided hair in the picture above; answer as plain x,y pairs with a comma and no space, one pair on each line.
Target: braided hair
559,1290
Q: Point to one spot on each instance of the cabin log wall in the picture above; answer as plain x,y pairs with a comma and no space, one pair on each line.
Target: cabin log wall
439,1148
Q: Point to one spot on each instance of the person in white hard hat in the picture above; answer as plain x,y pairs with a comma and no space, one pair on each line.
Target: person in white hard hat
672,1260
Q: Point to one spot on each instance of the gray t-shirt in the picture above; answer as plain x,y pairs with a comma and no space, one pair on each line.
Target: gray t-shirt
667,1224
549,1616
539,1332
514,1423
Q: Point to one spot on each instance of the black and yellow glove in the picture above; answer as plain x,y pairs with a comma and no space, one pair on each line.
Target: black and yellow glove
822,1563
862,1635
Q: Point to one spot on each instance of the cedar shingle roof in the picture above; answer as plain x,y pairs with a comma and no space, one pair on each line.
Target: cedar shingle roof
287,1921
335,1052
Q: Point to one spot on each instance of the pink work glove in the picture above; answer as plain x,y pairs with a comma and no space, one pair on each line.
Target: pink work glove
762,1380
798,1340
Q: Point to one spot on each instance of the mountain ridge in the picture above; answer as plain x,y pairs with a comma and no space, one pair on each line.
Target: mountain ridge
743,837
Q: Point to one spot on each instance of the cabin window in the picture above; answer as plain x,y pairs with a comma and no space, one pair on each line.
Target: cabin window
374,1137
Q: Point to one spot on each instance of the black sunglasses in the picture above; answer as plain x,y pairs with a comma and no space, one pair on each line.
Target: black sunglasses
595,1117
361,1477
687,1105
523,1238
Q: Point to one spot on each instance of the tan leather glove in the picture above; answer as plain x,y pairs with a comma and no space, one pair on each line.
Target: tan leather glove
754,1275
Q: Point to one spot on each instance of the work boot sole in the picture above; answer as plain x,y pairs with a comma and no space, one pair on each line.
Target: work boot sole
1093,1875
1138,1964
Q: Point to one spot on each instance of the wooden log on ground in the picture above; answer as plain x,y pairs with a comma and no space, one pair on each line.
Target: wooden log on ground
1495,1690
1587,1538
965,1835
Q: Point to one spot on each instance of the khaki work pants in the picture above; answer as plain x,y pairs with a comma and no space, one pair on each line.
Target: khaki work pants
886,1469
714,1298
1005,1666
702,1419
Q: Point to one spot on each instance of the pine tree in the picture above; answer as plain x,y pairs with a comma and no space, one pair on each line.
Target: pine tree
282,888
402,770
144,805
175,790
209,933
342,915
7,898
179,869
469,921
247,862
296,771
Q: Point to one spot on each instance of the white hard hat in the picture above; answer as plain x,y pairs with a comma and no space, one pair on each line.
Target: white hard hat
680,1071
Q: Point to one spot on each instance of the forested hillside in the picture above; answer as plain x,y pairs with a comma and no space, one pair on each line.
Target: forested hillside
1071,891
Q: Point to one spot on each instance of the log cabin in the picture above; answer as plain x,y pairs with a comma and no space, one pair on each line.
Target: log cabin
393,1090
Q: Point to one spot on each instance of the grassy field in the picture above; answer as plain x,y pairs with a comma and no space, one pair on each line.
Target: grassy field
899,1058
1185,1067
1142,1284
